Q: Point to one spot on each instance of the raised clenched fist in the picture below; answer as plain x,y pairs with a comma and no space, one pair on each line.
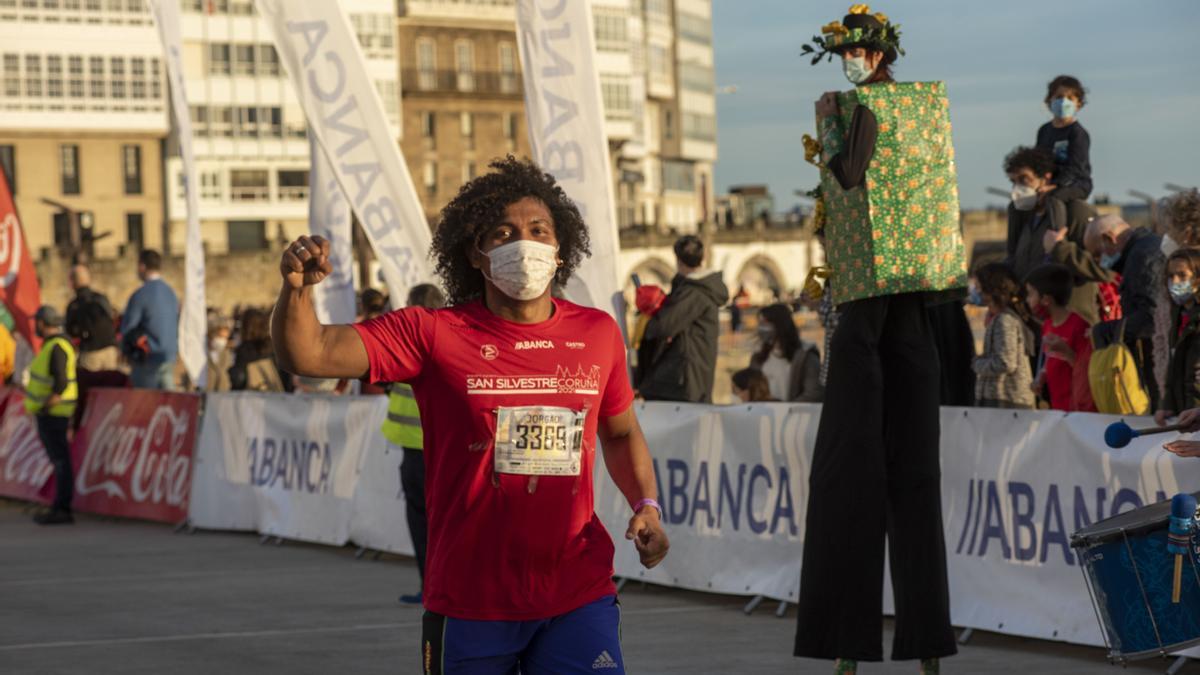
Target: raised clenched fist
306,262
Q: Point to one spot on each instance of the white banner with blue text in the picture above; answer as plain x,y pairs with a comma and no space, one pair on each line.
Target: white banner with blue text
283,465
567,134
733,482
318,49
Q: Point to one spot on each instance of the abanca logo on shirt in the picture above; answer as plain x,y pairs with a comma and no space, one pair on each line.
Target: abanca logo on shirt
533,344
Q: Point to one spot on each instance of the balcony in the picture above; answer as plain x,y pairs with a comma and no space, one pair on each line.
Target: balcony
470,83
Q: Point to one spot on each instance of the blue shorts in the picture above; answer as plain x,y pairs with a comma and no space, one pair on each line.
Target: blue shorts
586,640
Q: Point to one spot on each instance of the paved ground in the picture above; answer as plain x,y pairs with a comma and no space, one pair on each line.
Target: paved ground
122,597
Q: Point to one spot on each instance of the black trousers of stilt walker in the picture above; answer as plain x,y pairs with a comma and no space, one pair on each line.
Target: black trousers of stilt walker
876,475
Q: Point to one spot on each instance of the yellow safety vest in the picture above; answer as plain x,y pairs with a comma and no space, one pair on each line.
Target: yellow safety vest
403,424
41,382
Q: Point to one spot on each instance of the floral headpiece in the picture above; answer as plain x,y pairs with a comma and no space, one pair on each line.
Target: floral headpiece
859,28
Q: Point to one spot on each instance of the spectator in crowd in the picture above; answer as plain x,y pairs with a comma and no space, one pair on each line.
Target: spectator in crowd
792,367
741,302
1003,372
402,429
220,357
1178,220
50,398
1136,255
8,345
749,385
682,336
1068,142
1066,349
1031,240
1182,390
374,304
254,367
150,327
92,322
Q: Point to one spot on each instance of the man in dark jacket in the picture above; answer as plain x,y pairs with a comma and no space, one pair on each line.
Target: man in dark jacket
678,356
92,321
1032,242
1136,254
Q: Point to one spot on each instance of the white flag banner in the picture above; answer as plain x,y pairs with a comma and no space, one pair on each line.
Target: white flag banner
193,324
321,55
566,131
329,216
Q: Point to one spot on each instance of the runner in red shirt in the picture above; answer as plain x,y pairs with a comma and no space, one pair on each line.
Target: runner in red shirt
514,387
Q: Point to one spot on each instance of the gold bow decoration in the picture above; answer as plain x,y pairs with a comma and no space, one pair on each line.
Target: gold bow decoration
814,288
812,151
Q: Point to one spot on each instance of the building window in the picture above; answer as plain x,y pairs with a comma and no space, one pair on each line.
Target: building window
508,68
668,124
210,185
617,101
510,126
12,75
246,235
131,165
695,28
199,116
271,122
135,232
660,63
268,61
116,67
678,176
33,75
389,93
54,76
243,59
69,158
221,121
96,82
466,125
430,178
426,64
293,186
464,65
8,165
468,172
155,79
245,122
612,31
700,127
218,59
75,75
249,185
429,129
696,77
137,78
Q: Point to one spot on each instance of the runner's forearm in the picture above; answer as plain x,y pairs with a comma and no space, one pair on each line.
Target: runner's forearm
627,458
295,331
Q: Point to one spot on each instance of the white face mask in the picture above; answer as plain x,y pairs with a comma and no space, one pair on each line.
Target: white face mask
1024,198
856,70
523,269
219,344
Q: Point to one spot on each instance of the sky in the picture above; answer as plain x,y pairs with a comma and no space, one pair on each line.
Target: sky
1136,58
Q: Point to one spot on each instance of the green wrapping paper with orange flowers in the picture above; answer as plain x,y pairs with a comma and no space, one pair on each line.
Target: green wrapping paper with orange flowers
899,232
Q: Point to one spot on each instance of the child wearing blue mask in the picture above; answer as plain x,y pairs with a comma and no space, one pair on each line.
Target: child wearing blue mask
1066,139
1183,371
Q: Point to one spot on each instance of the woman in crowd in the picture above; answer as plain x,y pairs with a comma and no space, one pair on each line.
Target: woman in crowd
1003,372
254,366
1182,390
750,386
792,367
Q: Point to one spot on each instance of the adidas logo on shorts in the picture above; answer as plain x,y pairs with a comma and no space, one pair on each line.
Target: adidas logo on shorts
604,661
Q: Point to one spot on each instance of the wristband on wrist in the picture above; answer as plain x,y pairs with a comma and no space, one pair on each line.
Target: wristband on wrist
648,502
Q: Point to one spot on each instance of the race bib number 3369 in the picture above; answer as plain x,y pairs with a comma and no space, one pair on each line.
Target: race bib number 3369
539,441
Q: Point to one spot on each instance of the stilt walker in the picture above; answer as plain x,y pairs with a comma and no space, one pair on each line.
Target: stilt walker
895,247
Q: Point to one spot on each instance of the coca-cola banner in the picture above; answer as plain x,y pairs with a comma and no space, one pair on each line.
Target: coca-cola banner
25,470
133,453
284,465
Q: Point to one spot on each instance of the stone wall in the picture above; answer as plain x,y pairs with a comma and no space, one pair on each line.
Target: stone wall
231,279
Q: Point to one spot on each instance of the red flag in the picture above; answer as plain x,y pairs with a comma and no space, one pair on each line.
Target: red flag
19,290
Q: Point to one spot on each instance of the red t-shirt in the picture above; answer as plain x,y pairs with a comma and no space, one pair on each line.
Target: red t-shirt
497,551
1068,382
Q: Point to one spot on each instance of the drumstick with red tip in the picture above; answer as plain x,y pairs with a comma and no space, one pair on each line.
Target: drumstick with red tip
1179,534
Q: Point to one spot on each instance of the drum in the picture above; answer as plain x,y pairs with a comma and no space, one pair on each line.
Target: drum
1130,576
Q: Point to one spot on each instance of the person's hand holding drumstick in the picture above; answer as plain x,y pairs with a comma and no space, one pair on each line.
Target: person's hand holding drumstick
1190,421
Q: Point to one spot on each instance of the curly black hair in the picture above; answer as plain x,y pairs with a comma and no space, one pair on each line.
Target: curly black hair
480,206
1037,160
1071,84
